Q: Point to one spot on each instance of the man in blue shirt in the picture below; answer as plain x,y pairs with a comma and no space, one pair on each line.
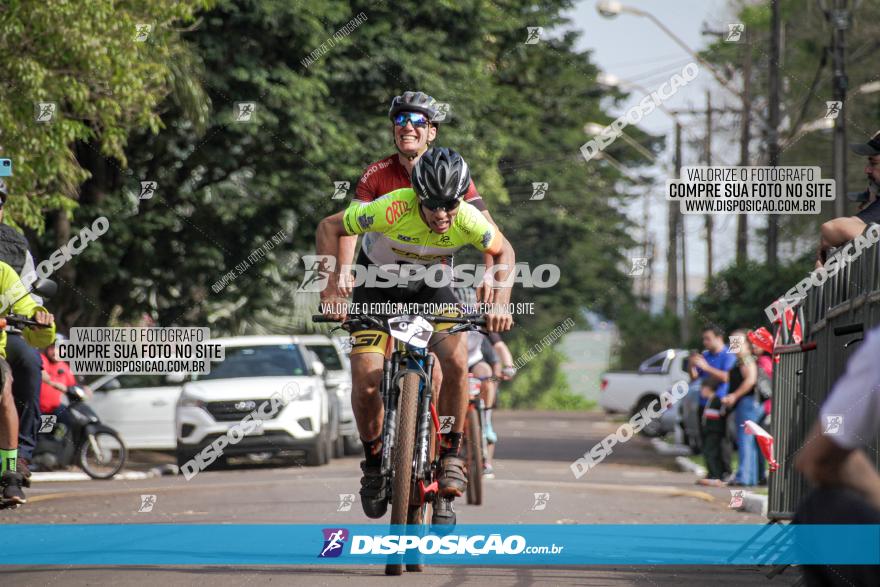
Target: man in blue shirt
712,369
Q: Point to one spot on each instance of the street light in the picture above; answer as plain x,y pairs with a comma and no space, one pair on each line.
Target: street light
609,8
674,221
612,8
610,80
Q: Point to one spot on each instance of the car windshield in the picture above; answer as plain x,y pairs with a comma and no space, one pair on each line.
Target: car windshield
281,360
327,355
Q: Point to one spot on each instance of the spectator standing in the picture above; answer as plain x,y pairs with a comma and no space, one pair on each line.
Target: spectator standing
712,368
745,406
762,348
844,229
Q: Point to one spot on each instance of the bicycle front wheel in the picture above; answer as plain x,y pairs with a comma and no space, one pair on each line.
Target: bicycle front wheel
402,460
420,513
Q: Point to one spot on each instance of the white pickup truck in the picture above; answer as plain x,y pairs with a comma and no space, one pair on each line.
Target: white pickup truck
628,392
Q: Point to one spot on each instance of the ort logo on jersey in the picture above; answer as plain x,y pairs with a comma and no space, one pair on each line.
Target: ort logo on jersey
396,210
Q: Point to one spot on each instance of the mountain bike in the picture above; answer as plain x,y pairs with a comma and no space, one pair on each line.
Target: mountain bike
411,430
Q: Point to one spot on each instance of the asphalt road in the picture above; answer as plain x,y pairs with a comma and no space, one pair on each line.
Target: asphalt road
633,485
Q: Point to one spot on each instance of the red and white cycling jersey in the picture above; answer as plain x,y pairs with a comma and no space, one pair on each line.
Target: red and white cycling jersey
389,175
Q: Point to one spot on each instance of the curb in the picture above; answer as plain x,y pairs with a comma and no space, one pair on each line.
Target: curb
688,466
664,448
754,503
59,476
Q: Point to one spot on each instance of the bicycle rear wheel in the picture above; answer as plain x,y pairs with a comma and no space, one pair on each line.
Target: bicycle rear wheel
402,460
474,442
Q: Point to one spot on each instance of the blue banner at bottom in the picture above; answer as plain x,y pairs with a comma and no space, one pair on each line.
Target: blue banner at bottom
270,544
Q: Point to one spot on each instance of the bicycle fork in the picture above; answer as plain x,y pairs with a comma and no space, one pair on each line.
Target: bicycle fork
390,394
484,440
423,441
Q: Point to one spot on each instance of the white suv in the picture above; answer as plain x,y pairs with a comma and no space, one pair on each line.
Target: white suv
254,369
331,352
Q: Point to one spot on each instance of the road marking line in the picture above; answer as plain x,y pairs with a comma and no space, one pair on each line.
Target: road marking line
654,489
180,487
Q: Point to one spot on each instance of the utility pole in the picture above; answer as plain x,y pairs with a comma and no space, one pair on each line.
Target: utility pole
773,123
709,223
672,221
646,252
679,225
683,330
839,18
742,220
649,284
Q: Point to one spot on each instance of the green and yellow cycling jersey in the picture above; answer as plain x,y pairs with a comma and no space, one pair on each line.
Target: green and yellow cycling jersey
11,289
395,232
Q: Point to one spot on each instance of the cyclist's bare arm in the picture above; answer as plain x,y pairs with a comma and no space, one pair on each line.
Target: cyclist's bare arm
484,290
327,242
347,246
498,320
505,358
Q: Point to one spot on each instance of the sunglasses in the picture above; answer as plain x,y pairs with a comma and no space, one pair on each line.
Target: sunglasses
434,205
417,120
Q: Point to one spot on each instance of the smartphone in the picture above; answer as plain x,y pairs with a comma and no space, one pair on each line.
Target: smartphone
5,167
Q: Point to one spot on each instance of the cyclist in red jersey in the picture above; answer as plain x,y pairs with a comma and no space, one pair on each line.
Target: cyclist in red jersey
392,173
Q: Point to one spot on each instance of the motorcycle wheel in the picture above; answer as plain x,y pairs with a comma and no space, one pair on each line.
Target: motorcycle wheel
102,454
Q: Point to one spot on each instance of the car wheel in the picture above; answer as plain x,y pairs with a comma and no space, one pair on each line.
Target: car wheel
183,458
329,446
653,427
339,447
317,455
353,445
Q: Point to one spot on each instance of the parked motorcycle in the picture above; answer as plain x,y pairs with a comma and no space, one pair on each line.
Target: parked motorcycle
82,440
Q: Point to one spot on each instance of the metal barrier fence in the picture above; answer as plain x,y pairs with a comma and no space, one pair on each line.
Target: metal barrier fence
803,378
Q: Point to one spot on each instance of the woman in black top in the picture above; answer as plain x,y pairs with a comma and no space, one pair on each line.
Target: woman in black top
741,399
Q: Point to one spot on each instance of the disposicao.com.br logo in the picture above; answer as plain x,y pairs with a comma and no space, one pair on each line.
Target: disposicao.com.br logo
450,544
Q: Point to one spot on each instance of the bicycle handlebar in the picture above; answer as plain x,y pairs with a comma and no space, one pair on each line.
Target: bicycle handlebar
18,321
475,320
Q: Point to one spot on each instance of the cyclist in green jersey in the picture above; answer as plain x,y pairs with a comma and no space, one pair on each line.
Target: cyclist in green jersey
422,225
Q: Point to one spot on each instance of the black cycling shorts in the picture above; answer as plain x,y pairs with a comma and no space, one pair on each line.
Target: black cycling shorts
418,293
374,341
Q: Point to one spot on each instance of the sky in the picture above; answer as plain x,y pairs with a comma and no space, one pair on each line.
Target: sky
634,48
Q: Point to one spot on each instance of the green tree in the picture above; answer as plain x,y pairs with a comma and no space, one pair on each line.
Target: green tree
83,58
226,187
806,86
736,296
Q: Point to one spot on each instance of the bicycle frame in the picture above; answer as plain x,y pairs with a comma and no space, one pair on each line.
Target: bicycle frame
406,359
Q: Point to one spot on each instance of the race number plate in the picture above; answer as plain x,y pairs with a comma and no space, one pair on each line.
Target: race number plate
413,330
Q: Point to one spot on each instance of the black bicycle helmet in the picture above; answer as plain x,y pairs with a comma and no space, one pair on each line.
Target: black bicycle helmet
414,102
441,175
